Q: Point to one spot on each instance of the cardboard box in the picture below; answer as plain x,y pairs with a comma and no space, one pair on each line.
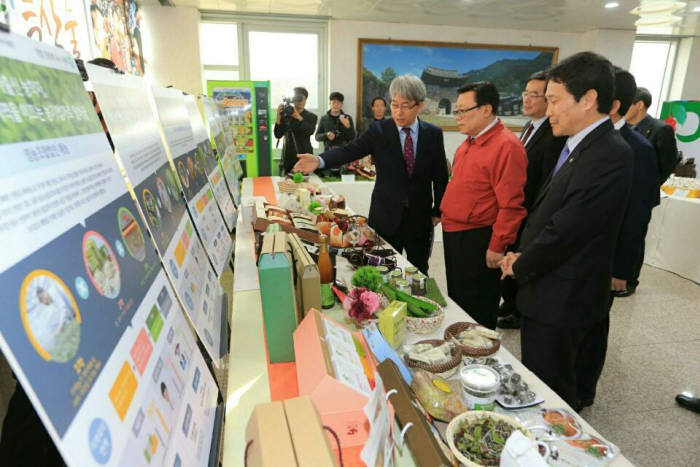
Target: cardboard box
287,434
277,295
261,222
268,435
307,277
340,406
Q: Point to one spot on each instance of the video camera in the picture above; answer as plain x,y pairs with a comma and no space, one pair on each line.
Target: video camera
288,104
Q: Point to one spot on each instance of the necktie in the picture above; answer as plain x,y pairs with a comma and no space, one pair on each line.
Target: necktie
562,158
408,153
528,132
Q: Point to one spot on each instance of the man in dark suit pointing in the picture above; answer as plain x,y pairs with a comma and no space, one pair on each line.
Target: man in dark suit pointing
542,149
409,156
563,265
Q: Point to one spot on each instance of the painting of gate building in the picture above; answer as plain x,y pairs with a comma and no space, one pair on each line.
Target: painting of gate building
444,68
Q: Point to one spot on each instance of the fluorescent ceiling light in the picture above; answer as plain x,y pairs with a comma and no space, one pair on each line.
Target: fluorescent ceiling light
612,5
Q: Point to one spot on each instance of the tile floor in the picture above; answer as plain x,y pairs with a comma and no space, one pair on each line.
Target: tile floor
653,354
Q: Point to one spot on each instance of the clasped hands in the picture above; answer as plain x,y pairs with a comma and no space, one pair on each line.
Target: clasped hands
506,264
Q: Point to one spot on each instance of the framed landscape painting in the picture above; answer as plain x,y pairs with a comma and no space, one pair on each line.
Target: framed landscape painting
444,67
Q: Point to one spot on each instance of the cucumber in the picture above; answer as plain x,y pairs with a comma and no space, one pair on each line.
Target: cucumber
425,306
415,311
415,307
388,291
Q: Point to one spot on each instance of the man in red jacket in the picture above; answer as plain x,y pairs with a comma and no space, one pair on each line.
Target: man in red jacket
483,204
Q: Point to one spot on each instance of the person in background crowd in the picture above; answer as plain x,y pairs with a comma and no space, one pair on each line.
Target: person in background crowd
409,155
542,149
563,264
630,241
378,113
296,129
483,204
336,127
661,136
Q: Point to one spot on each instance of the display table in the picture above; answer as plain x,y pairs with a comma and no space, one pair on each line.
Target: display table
252,380
673,239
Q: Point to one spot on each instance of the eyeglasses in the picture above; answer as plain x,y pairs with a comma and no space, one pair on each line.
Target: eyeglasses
531,95
403,107
459,112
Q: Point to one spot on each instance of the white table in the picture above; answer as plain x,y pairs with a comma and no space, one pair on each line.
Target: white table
673,239
248,376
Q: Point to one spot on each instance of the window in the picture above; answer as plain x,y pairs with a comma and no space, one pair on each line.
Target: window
652,67
287,60
218,50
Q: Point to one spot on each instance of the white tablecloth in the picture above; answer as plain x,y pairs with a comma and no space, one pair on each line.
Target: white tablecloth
673,239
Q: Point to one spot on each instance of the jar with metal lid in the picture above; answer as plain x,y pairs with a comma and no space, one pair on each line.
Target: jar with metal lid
418,284
403,285
410,272
384,271
479,386
395,275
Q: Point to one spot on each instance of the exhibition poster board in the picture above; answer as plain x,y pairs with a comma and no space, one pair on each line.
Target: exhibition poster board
125,104
191,168
211,166
89,324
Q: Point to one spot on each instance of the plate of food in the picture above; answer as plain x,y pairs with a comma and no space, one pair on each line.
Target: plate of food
473,339
478,437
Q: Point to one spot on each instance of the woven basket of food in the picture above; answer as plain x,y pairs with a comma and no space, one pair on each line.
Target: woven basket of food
473,340
433,355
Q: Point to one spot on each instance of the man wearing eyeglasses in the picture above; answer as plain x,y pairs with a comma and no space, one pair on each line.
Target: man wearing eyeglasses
542,149
409,157
483,204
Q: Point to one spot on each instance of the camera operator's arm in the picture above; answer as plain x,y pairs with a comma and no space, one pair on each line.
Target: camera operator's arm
324,132
347,128
280,126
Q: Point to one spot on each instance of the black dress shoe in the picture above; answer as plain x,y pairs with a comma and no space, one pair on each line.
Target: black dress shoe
505,309
509,322
625,293
691,403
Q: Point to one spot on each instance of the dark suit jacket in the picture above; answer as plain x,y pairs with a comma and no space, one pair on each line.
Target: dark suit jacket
543,150
394,189
568,243
641,201
662,137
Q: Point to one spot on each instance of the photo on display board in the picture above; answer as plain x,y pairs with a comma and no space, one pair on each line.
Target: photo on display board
131,234
116,33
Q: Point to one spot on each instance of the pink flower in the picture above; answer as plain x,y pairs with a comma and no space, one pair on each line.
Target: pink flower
361,304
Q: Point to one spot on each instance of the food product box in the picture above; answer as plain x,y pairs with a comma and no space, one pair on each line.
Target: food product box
334,367
308,279
310,441
278,299
261,222
392,323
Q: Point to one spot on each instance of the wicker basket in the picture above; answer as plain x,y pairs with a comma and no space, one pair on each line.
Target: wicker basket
473,416
444,370
455,329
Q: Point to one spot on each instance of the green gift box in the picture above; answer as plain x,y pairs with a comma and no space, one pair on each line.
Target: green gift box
277,294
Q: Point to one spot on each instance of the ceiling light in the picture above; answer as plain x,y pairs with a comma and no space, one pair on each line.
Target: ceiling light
612,5
657,20
658,7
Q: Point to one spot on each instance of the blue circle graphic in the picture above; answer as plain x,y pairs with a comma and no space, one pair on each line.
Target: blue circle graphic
100,441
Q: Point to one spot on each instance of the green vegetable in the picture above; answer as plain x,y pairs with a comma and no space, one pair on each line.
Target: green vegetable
415,311
483,440
388,291
315,207
368,277
415,307
409,299
433,292
298,177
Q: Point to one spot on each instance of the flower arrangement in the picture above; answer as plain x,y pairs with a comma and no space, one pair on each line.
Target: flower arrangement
361,304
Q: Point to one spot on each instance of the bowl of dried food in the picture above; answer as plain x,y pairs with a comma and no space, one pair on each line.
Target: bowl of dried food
477,437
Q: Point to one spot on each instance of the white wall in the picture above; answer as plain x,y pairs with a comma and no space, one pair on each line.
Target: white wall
344,35
691,86
171,47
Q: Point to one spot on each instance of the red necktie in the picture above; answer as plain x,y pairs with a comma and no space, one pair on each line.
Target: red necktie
408,154
527,133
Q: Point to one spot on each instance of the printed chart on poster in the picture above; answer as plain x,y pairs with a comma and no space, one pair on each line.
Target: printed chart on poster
228,161
214,173
125,105
88,324
191,168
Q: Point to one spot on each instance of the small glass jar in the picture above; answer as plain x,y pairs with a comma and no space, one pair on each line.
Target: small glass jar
410,272
418,284
384,271
396,275
403,285
479,386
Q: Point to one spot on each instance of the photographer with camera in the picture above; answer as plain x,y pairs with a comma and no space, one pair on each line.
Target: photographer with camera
296,125
336,127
